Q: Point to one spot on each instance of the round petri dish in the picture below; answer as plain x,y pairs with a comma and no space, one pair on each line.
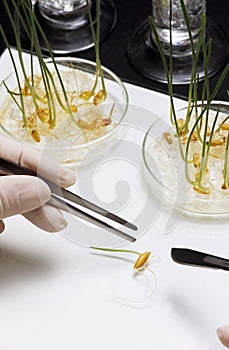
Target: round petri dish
72,135
166,172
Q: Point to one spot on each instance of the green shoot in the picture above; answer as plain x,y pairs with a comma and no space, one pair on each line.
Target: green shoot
168,74
96,38
140,266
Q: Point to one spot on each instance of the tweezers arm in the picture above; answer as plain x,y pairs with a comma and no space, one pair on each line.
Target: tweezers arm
11,168
60,204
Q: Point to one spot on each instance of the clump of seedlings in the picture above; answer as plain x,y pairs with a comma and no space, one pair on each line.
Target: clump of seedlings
51,93
201,131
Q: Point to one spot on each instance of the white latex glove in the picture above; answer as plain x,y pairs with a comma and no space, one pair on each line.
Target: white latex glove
223,334
27,195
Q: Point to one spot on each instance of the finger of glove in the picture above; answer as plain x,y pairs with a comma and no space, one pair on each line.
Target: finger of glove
20,194
47,218
2,226
37,161
223,334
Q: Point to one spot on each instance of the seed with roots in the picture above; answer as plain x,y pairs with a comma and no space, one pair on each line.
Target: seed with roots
85,95
181,124
31,122
52,123
184,140
224,127
35,135
141,261
194,136
140,267
99,97
25,90
224,187
218,142
168,137
43,114
106,121
205,190
73,108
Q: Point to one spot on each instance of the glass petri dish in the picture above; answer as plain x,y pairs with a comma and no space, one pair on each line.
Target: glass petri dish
73,137
164,168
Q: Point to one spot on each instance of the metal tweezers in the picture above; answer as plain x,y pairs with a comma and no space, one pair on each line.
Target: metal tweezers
64,203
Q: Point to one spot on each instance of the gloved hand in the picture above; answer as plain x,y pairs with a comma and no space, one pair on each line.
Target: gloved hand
27,195
223,334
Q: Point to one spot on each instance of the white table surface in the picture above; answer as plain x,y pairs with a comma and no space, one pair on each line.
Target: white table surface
57,295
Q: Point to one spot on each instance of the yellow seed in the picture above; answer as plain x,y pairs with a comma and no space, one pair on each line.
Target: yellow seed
224,126
168,137
194,136
31,122
99,97
184,140
85,95
201,190
180,123
141,260
73,108
218,142
35,135
83,124
196,160
25,90
43,114
106,121
52,123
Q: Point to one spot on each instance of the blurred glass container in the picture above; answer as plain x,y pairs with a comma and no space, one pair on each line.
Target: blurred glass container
67,24
144,54
64,14
180,36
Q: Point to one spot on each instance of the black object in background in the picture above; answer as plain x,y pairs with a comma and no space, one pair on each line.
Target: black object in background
195,258
131,13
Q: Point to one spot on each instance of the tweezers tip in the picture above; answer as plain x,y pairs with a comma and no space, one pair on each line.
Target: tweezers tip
131,226
121,221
